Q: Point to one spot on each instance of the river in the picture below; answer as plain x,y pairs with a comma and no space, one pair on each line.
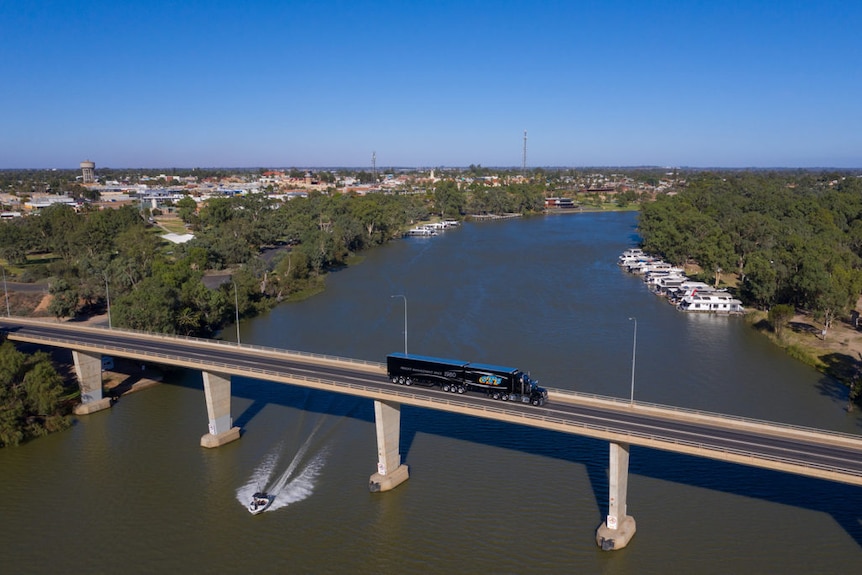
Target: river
131,490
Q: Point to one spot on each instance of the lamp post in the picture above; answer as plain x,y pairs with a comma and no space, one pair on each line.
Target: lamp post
634,353
108,300
236,309
405,320
6,292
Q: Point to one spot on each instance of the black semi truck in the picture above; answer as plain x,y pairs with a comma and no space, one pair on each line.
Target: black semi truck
498,382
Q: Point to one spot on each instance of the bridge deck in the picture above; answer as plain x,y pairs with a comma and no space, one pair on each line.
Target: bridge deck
793,449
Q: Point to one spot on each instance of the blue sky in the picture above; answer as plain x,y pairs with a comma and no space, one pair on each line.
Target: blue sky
267,83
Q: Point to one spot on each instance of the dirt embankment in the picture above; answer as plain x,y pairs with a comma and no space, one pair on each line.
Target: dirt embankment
837,352
129,376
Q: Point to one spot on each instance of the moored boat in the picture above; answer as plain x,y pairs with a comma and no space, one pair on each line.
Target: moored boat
422,231
670,281
630,256
711,302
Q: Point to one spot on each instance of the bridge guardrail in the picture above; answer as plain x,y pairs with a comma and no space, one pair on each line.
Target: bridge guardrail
623,403
206,342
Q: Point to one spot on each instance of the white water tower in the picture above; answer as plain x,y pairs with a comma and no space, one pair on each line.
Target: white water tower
88,169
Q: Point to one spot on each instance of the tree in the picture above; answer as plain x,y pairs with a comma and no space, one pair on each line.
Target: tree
14,241
779,315
31,396
186,209
64,300
448,199
761,281
837,295
149,308
56,224
217,211
12,364
43,386
139,246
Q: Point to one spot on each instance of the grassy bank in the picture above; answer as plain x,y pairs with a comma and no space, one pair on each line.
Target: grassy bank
838,354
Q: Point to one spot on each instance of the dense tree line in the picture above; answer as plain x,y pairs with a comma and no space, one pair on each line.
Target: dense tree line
33,401
791,239
97,255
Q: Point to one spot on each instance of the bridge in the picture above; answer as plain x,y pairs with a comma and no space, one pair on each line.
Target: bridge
792,449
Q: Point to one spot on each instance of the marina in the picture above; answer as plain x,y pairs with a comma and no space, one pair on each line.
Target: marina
668,281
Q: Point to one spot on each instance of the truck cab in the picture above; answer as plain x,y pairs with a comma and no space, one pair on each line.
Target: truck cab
530,390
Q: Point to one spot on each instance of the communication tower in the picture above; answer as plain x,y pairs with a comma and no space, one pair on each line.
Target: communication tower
374,166
88,170
524,159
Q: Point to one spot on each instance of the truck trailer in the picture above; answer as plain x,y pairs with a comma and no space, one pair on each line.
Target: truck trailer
454,376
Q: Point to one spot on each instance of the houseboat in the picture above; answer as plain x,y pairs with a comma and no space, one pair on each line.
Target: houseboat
665,284
710,302
630,256
422,231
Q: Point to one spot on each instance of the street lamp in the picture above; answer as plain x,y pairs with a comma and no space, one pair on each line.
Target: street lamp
405,320
6,292
634,353
236,308
108,300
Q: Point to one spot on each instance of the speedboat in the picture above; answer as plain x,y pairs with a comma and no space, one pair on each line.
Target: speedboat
259,502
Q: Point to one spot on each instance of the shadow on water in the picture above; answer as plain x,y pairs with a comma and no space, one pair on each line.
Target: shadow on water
842,502
836,391
844,367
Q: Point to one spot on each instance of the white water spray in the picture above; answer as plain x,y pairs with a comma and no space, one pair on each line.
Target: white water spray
295,483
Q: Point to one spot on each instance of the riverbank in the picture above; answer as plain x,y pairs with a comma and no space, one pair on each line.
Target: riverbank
129,376
838,354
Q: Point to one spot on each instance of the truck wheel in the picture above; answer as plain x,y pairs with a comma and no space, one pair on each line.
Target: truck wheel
535,402
505,397
401,380
496,395
408,381
461,389
395,379
446,387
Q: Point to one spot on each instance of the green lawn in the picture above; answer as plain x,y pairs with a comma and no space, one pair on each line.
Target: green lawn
173,225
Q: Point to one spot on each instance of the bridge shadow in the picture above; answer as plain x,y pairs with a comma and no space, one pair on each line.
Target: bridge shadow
842,502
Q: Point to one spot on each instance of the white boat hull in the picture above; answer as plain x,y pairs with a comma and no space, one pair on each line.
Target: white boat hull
259,503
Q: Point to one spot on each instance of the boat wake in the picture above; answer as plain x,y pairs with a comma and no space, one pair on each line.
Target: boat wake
295,483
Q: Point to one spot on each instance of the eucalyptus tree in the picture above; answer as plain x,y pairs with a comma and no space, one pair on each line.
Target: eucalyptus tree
64,298
449,199
15,240
31,396
187,210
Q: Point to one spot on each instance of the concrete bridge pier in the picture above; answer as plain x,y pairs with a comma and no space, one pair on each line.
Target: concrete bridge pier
217,392
618,528
390,471
88,369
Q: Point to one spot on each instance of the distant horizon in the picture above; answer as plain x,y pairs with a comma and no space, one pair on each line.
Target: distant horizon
382,169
